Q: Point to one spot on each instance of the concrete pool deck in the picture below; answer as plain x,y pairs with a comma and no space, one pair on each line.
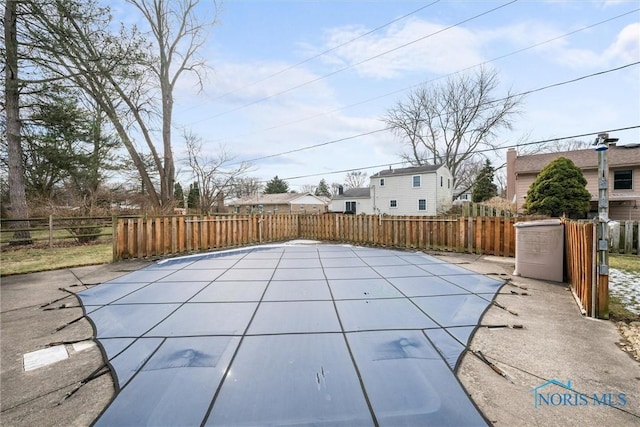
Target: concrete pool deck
555,343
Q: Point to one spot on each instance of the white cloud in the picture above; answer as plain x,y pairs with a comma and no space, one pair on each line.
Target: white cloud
236,82
579,51
609,3
626,48
442,53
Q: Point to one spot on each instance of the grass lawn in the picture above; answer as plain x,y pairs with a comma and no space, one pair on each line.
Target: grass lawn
617,309
630,263
32,259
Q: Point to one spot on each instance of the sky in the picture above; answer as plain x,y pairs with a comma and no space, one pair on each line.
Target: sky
289,74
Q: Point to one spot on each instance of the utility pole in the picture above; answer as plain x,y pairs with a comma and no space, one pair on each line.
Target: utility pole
600,293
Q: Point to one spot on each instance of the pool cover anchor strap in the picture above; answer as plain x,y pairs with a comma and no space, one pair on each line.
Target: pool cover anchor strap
509,281
497,304
102,370
59,328
497,370
61,307
86,285
58,299
517,326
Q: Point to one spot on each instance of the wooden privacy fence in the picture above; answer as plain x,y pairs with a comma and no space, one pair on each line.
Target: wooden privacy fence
493,236
624,237
147,237
478,209
171,235
590,289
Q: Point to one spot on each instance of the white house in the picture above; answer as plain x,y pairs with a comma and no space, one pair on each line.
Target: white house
461,196
420,190
353,200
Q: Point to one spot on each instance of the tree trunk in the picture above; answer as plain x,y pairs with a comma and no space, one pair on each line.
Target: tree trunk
168,178
17,196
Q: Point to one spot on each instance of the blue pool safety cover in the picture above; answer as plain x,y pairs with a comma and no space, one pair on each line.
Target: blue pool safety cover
312,334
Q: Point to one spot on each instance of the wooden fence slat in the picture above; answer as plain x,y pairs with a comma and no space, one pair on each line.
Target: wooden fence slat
628,237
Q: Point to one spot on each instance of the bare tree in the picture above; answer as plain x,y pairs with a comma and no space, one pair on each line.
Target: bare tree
245,186
179,31
335,188
448,124
17,195
467,173
308,188
355,179
210,174
133,88
555,146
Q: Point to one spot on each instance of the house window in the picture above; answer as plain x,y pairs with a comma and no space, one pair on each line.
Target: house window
448,182
422,204
623,180
381,182
393,203
441,181
416,181
350,207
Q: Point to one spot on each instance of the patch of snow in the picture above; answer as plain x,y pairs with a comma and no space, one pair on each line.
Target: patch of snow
626,286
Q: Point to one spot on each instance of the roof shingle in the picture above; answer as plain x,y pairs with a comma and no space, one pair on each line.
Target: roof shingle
618,156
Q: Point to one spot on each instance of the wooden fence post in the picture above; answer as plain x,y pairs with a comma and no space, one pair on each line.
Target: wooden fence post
50,231
114,238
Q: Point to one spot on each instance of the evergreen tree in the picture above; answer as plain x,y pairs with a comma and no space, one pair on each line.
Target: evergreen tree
193,198
559,189
323,189
178,195
276,185
484,188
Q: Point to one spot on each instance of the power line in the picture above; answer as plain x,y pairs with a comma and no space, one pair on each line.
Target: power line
277,73
435,79
309,147
355,64
599,73
476,152
580,78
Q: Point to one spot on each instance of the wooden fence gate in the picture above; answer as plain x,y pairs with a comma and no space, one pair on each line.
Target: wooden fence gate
590,289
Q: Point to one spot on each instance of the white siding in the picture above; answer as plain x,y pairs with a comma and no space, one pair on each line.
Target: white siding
401,188
444,191
363,205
